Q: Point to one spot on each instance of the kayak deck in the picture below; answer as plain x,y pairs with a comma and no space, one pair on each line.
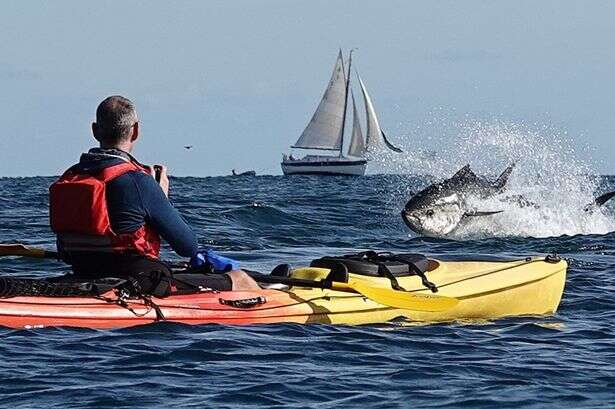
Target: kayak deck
486,290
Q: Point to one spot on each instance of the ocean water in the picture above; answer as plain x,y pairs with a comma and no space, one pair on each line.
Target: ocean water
565,360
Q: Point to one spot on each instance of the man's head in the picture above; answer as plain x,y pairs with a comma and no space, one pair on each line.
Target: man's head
116,123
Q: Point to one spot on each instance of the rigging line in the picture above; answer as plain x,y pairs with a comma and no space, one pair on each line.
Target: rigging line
482,274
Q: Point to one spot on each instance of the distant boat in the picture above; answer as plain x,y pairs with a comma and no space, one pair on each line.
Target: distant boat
246,173
325,132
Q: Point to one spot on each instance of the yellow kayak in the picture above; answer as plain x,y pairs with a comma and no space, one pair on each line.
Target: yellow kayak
485,290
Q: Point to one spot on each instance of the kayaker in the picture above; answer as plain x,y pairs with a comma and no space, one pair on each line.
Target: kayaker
109,212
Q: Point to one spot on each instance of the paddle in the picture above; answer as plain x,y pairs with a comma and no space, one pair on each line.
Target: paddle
25,251
380,295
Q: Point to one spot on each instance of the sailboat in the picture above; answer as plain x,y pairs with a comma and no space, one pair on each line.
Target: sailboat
325,132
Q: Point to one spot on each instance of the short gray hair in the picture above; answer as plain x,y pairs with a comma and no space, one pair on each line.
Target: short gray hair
114,118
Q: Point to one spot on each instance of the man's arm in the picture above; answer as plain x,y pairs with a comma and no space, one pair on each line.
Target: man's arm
163,217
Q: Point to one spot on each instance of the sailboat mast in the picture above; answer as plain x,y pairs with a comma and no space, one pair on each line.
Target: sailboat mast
346,103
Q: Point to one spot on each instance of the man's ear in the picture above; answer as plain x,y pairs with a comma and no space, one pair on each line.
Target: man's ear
135,132
95,131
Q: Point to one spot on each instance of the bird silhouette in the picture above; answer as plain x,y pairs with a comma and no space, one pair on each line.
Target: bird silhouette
188,146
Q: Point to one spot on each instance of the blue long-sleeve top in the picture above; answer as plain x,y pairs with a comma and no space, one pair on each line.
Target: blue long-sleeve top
135,199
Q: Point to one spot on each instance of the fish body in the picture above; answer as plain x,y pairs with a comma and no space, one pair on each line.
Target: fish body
441,208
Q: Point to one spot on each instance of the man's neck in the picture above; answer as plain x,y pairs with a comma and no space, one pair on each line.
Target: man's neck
124,147
114,150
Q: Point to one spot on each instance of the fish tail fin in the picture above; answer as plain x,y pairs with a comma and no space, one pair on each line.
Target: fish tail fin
600,200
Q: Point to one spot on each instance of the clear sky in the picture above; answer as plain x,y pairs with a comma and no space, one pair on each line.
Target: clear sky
240,79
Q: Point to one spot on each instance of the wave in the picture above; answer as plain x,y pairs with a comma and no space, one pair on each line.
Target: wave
259,215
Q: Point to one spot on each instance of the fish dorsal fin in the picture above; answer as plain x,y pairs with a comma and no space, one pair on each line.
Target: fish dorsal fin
464,173
503,178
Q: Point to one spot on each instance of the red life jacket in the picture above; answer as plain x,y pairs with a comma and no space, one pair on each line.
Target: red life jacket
80,217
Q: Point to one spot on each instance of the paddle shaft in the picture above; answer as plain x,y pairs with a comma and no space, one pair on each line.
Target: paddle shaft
34,252
297,282
25,251
385,296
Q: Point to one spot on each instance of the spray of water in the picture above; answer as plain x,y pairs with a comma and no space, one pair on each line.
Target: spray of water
553,181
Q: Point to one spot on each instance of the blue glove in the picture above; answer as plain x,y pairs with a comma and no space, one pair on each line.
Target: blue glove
220,264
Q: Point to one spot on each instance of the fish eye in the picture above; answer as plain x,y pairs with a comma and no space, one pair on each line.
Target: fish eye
429,213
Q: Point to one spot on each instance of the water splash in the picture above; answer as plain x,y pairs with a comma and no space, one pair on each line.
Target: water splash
549,174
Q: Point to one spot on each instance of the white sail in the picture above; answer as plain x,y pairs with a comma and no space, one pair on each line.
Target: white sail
375,137
324,131
357,146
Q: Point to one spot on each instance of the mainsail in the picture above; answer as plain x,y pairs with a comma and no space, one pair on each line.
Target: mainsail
324,131
357,146
375,137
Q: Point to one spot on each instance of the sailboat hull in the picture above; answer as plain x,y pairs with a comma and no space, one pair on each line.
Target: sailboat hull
323,165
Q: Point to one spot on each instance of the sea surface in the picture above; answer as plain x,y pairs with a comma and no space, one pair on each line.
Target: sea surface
565,360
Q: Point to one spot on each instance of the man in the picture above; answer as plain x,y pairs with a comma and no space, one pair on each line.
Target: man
109,212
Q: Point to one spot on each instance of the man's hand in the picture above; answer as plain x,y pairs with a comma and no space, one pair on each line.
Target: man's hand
160,174
217,262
